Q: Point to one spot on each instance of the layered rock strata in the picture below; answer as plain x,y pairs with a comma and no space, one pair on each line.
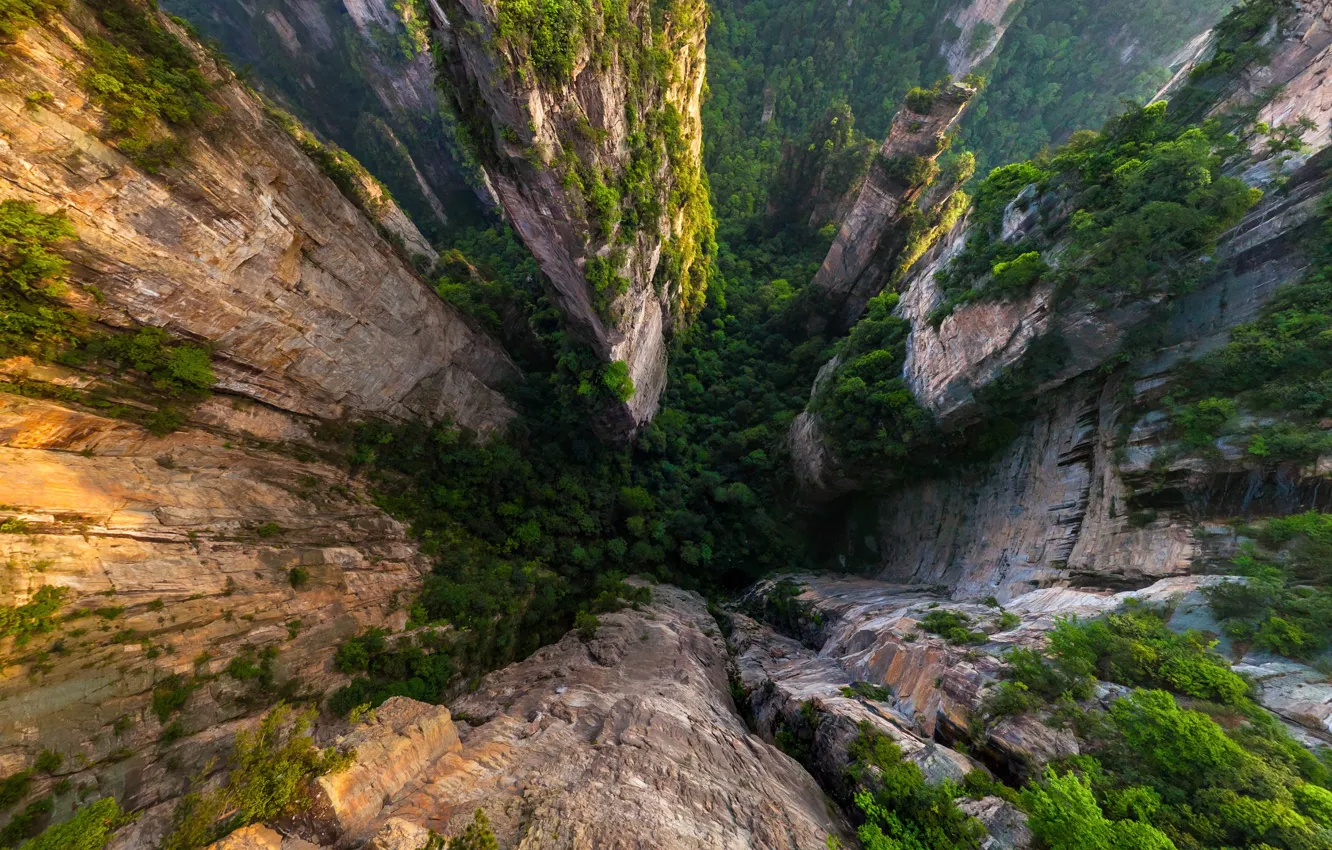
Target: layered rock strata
246,245
187,565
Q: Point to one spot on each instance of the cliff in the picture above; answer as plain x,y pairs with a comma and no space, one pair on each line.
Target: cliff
1290,84
362,75
200,578
981,25
592,142
864,255
243,243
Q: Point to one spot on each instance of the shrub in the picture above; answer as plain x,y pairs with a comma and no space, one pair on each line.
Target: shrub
298,578
1019,274
616,379
1063,813
36,617
170,696
952,626
147,81
18,15
921,101
899,807
551,32
271,768
172,366
90,829
27,265
586,624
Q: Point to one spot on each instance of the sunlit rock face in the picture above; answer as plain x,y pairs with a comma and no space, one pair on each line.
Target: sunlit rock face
247,245
597,166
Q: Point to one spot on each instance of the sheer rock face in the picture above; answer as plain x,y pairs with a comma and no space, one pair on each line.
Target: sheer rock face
1297,72
246,245
628,740
865,252
543,143
317,53
972,46
196,553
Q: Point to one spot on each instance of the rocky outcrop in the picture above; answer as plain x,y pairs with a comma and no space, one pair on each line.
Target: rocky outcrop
1290,85
864,255
187,566
402,738
594,150
360,72
981,25
628,738
923,691
246,245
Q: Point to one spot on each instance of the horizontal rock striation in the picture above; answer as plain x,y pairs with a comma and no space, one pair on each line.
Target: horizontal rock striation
174,558
245,245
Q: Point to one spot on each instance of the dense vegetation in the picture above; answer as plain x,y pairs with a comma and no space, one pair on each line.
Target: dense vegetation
1284,603
270,767
1275,367
1186,760
148,82
1068,64
37,321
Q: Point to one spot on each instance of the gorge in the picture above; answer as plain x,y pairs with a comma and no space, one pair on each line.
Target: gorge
653,423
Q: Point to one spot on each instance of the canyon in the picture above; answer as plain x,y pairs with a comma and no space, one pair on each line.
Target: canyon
204,573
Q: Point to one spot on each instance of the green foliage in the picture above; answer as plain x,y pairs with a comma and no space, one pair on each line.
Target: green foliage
1240,42
901,810
14,787
170,696
90,829
270,770
954,626
1062,813
1016,276
868,690
147,81
171,366
477,836
1133,647
1062,65
616,379
32,276
1275,367
921,101
1284,602
550,32
1147,199
38,616
586,624
18,15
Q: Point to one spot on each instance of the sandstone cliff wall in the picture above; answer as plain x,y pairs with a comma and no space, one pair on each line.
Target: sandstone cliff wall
175,556
246,245
864,254
361,73
550,143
